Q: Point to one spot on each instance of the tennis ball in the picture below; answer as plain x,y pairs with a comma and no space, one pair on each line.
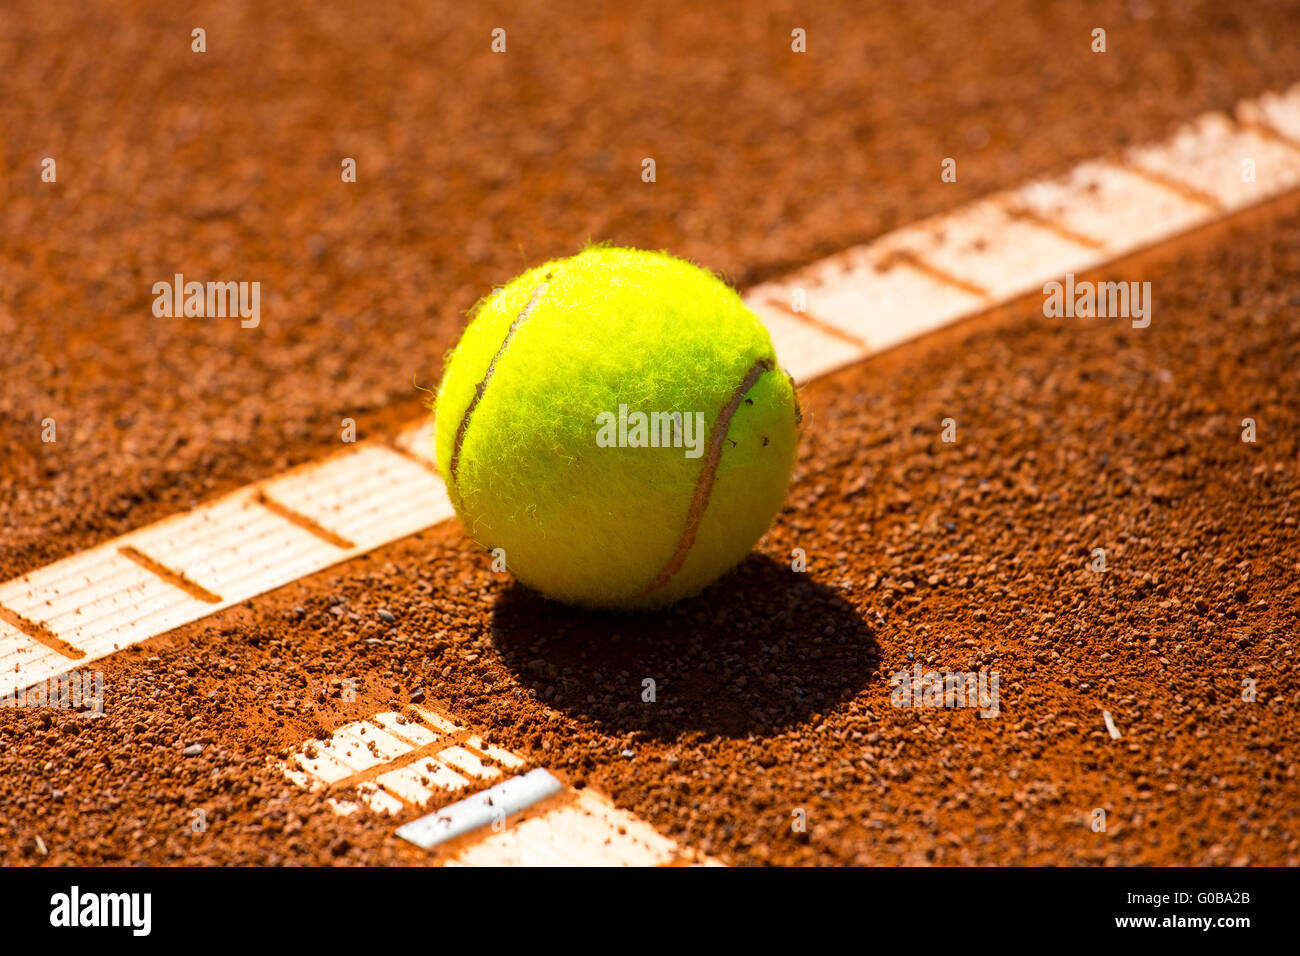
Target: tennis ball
618,424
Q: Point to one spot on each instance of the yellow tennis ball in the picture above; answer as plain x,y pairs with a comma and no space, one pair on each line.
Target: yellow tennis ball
617,423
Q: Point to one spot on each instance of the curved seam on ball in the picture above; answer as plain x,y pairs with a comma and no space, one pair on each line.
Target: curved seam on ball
482,385
704,487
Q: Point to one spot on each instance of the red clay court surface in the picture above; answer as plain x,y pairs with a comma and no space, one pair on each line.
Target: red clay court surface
774,687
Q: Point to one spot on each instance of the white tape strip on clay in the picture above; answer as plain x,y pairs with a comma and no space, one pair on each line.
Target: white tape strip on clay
397,762
67,614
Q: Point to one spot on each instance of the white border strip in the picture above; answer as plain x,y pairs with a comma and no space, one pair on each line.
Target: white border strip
928,275
183,568
397,762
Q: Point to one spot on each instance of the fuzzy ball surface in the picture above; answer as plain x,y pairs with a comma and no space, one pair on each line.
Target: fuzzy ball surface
617,423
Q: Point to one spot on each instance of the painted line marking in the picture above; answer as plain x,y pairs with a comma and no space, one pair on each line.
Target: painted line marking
1114,204
1206,159
435,766
302,521
174,578
416,440
1188,192
1045,222
985,249
802,348
806,318
414,733
40,633
22,655
577,828
190,565
823,317
408,757
913,260
1276,115
399,762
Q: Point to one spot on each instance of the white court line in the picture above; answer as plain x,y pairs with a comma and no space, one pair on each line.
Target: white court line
825,316
409,759
585,830
100,601
398,762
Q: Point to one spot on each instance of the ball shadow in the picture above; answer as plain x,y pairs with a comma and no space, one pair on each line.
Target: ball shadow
762,650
